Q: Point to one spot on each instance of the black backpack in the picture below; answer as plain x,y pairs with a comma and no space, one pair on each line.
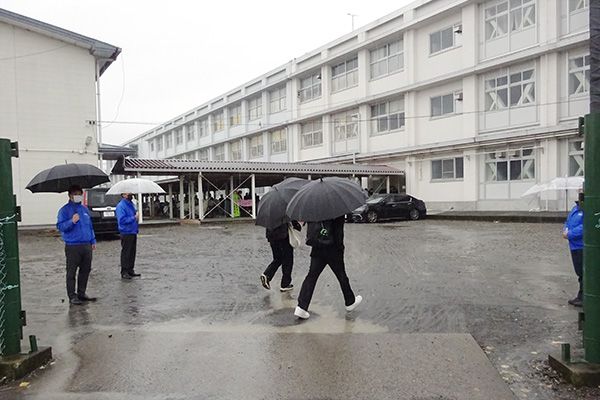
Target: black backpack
319,234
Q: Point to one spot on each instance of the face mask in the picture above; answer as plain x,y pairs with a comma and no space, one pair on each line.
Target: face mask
130,197
77,198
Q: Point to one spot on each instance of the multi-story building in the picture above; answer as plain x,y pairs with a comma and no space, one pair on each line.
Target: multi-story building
475,100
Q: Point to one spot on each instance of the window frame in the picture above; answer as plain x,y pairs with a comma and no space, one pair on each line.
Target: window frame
385,58
454,170
169,140
235,150
277,100
256,150
508,159
190,132
311,88
278,146
343,123
518,17
344,75
442,49
583,70
235,115
151,145
311,134
219,153
206,157
219,121
576,157
503,82
377,121
442,113
179,137
159,144
254,108
580,5
203,128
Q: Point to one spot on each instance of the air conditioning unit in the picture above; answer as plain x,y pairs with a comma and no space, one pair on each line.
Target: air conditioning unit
500,154
458,96
458,29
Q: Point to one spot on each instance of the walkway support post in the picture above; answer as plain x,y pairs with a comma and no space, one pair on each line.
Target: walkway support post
200,198
181,205
253,195
170,201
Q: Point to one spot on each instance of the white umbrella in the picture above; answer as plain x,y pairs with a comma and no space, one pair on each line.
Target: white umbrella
135,185
560,183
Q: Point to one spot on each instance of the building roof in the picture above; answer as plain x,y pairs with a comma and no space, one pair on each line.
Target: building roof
266,173
104,52
113,152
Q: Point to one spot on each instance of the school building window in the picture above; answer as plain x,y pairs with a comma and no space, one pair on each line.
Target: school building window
509,165
169,140
159,144
344,75
235,115
219,153
235,150
576,158
387,59
254,108
442,39
579,75
442,105
576,5
345,126
277,100
179,137
203,155
278,141
387,117
256,146
515,15
311,134
450,168
190,132
151,142
512,88
310,87
218,122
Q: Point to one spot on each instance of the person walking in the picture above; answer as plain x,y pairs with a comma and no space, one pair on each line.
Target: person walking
573,231
127,218
75,226
283,256
327,241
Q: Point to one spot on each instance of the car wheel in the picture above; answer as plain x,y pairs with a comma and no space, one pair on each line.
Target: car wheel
372,216
414,214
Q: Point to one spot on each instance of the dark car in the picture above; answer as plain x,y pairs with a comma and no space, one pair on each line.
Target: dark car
390,206
102,209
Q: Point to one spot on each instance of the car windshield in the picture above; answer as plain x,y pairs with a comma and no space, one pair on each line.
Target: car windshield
101,199
374,200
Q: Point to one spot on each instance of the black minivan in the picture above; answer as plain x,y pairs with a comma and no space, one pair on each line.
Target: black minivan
102,209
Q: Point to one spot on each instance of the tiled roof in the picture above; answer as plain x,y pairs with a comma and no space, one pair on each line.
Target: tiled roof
173,167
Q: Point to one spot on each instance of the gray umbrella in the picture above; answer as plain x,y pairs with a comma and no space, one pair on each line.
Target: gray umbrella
325,198
61,177
288,187
271,210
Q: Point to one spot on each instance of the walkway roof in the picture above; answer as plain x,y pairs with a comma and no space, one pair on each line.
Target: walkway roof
266,173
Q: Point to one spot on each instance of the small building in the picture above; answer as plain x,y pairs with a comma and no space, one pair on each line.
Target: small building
49,86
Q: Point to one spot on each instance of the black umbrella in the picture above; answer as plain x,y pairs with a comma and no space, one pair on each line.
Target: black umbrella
288,187
325,198
271,210
61,177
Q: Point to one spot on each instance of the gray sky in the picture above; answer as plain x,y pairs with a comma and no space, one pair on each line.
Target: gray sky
178,54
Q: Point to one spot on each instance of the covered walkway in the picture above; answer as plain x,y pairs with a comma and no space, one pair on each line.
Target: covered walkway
205,180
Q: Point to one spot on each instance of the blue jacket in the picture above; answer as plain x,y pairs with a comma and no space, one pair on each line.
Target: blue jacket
575,226
126,217
80,232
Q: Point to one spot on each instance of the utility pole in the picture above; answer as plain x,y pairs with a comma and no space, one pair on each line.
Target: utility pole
352,16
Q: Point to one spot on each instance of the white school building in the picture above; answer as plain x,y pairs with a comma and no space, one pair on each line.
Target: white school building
476,101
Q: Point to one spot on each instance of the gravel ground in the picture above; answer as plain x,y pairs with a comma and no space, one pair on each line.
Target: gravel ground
506,284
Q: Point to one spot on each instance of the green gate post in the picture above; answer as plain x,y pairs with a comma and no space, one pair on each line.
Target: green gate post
11,323
591,239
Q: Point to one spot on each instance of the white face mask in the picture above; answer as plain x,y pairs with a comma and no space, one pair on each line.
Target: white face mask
77,198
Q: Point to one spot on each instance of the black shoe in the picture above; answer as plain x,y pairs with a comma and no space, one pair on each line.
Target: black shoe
577,302
85,297
265,282
133,274
76,301
126,276
288,288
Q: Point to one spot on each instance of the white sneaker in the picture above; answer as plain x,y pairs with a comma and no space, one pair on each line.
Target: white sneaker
300,313
357,301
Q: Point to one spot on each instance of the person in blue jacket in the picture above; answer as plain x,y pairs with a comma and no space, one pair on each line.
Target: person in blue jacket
573,231
75,226
127,219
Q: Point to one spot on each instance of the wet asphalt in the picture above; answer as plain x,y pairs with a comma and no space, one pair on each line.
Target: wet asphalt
506,285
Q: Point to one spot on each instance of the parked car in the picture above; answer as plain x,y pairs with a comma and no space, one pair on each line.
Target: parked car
390,206
102,209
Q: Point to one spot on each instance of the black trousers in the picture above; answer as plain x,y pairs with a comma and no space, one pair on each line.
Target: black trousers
335,260
128,250
79,257
283,255
577,257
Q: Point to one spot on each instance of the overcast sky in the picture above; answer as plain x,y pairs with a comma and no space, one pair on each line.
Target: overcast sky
178,54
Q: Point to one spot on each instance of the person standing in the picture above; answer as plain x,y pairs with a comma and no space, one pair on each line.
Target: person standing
573,231
283,256
127,219
236,207
321,255
75,226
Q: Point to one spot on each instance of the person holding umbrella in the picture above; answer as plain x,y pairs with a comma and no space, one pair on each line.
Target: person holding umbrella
324,203
75,226
127,218
573,232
